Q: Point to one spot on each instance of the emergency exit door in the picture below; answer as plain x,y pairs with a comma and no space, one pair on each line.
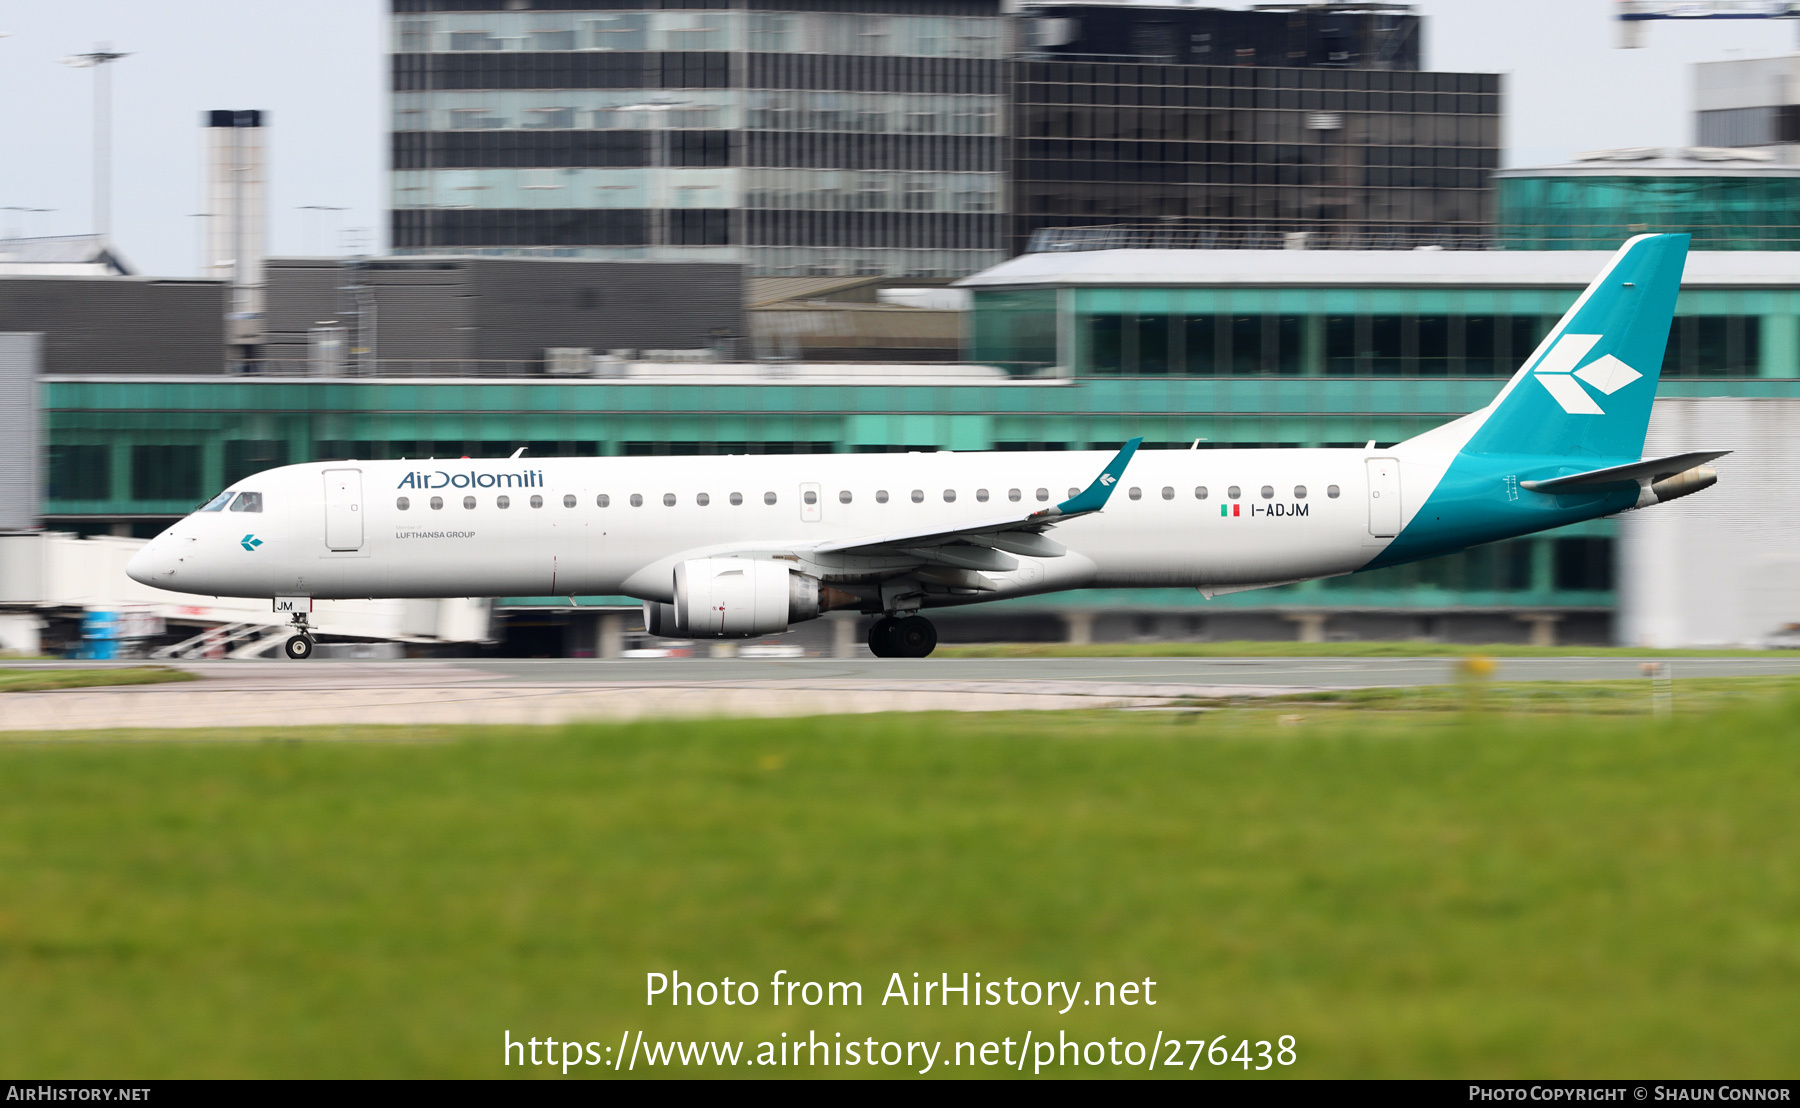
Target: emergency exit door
343,509
812,506
1384,497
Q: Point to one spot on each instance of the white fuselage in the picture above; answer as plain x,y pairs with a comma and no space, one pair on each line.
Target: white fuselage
338,530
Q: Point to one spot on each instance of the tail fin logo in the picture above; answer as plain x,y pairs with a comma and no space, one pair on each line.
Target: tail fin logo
1557,373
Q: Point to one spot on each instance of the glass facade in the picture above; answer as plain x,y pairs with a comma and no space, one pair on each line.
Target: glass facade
891,33
850,141
908,137
1741,211
1291,148
1475,333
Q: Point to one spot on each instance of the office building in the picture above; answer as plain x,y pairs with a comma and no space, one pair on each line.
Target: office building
921,138
855,137
1749,102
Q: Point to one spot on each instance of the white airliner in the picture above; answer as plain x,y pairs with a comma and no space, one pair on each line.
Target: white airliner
734,547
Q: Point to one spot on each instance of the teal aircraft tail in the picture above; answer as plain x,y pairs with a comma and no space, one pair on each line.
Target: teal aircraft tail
1586,390
1563,440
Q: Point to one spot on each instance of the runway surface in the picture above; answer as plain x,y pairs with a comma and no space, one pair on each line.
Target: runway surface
318,692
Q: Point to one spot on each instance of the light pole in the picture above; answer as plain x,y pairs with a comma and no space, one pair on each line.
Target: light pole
312,219
98,60
659,157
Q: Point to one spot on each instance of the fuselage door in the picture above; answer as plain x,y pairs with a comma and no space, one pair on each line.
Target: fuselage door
812,505
343,509
1384,497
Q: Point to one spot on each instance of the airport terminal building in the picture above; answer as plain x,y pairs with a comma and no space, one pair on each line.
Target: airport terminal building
1068,349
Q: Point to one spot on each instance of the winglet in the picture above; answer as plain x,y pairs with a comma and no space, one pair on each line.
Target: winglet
1094,497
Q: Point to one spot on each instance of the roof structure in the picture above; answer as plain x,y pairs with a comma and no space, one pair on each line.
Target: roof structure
1367,268
61,255
1657,161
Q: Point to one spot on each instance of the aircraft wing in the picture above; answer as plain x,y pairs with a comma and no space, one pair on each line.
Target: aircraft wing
1650,469
984,544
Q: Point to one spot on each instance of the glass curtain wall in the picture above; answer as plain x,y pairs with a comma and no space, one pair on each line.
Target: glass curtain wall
1247,149
1596,213
803,143
1341,333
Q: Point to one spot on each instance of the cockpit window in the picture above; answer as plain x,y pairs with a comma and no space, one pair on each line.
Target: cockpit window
247,502
217,503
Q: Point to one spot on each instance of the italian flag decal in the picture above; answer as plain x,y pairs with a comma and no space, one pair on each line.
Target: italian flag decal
1228,510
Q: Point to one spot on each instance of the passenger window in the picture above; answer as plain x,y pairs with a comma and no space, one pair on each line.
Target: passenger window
1012,495
402,503
769,498
503,502
810,496
1234,492
702,499
1299,492
1043,494
668,500
537,502
217,503
1268,492
881,496
918,496
1199,492
1136,493
601,501
949,496
469,503
437,502
844,497
637,500
981,495
569,500
1331,491
1168,492
247,502
1073,493
737,498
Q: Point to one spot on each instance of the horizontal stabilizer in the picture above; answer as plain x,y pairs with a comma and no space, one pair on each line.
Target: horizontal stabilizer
1650,469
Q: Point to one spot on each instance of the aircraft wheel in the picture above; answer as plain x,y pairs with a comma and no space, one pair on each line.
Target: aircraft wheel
881,638
913,637
299,647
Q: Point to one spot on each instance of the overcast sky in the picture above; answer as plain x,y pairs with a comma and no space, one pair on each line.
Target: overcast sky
316,66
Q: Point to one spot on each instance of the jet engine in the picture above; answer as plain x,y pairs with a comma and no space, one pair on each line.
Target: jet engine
1685,483
739,598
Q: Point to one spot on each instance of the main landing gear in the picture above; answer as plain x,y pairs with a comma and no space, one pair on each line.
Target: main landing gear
904,637
299,646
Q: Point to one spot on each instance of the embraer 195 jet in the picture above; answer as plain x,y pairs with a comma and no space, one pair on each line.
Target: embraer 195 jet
735,547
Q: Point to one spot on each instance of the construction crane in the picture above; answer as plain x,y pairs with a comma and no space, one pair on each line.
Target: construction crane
1635,15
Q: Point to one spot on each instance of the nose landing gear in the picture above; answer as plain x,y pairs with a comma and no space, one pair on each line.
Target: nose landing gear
903,637
299,646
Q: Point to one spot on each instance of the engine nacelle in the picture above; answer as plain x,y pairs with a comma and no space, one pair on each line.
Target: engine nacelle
734,598
1686,483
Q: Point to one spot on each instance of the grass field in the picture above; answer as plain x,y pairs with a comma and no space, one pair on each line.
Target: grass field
40,680
1425,892
1386,649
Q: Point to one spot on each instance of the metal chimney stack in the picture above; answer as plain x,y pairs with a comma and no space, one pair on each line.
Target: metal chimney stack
237,190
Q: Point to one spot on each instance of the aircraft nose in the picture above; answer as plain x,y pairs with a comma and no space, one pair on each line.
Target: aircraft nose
151,565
